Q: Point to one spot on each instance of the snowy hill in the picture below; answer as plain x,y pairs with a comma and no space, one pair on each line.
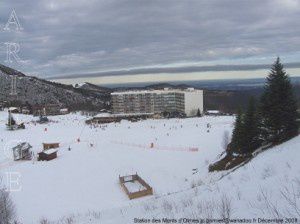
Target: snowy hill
82,184
90,86
38,91
266,190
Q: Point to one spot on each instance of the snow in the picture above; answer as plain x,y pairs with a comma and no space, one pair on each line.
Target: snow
134,186
84,182
50,151
213,111
64,110
12,108
128,178
78,85
86,178
103,115
100,115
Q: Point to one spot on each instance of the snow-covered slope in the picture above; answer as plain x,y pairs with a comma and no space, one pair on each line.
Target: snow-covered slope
82,184
266,190
92,87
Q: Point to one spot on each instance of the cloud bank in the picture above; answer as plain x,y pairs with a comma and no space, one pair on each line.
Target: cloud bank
62,38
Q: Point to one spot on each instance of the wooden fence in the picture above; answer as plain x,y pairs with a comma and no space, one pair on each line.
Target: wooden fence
153,146
135,178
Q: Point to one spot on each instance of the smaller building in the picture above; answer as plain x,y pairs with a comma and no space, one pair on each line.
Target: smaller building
14,109
47,146
47,155
104,118
48,109
25,110
22,151
49,152
64,111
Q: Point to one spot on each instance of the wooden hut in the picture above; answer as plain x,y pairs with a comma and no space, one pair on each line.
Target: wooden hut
47,146
47,155
22,151
134,186
49,151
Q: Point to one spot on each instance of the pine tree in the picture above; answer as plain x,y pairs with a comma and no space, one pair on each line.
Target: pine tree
251,139
278,106
237,134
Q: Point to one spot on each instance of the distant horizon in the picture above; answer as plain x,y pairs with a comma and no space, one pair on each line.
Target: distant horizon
235,81
174,77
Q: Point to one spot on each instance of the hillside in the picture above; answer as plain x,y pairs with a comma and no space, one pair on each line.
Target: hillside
61,189
85,178
92,87
32,91
89,96
266,190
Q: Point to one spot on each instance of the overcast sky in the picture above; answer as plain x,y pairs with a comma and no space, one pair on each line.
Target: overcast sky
142,40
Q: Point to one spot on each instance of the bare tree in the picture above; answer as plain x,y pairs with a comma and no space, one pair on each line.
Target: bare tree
7,207
225,207
292,197
271,207
44,221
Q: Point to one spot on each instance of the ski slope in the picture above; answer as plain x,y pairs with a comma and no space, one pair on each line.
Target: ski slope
81,185
85,178
265,190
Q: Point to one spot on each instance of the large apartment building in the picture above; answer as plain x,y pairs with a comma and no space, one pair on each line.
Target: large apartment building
186,101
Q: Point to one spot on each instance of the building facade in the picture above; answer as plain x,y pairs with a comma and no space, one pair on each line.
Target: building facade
186,101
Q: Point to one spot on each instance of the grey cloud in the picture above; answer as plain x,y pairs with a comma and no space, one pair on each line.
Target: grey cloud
182,69
81,37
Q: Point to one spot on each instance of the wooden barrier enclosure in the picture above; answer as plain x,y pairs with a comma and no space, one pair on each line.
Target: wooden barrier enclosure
135,179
